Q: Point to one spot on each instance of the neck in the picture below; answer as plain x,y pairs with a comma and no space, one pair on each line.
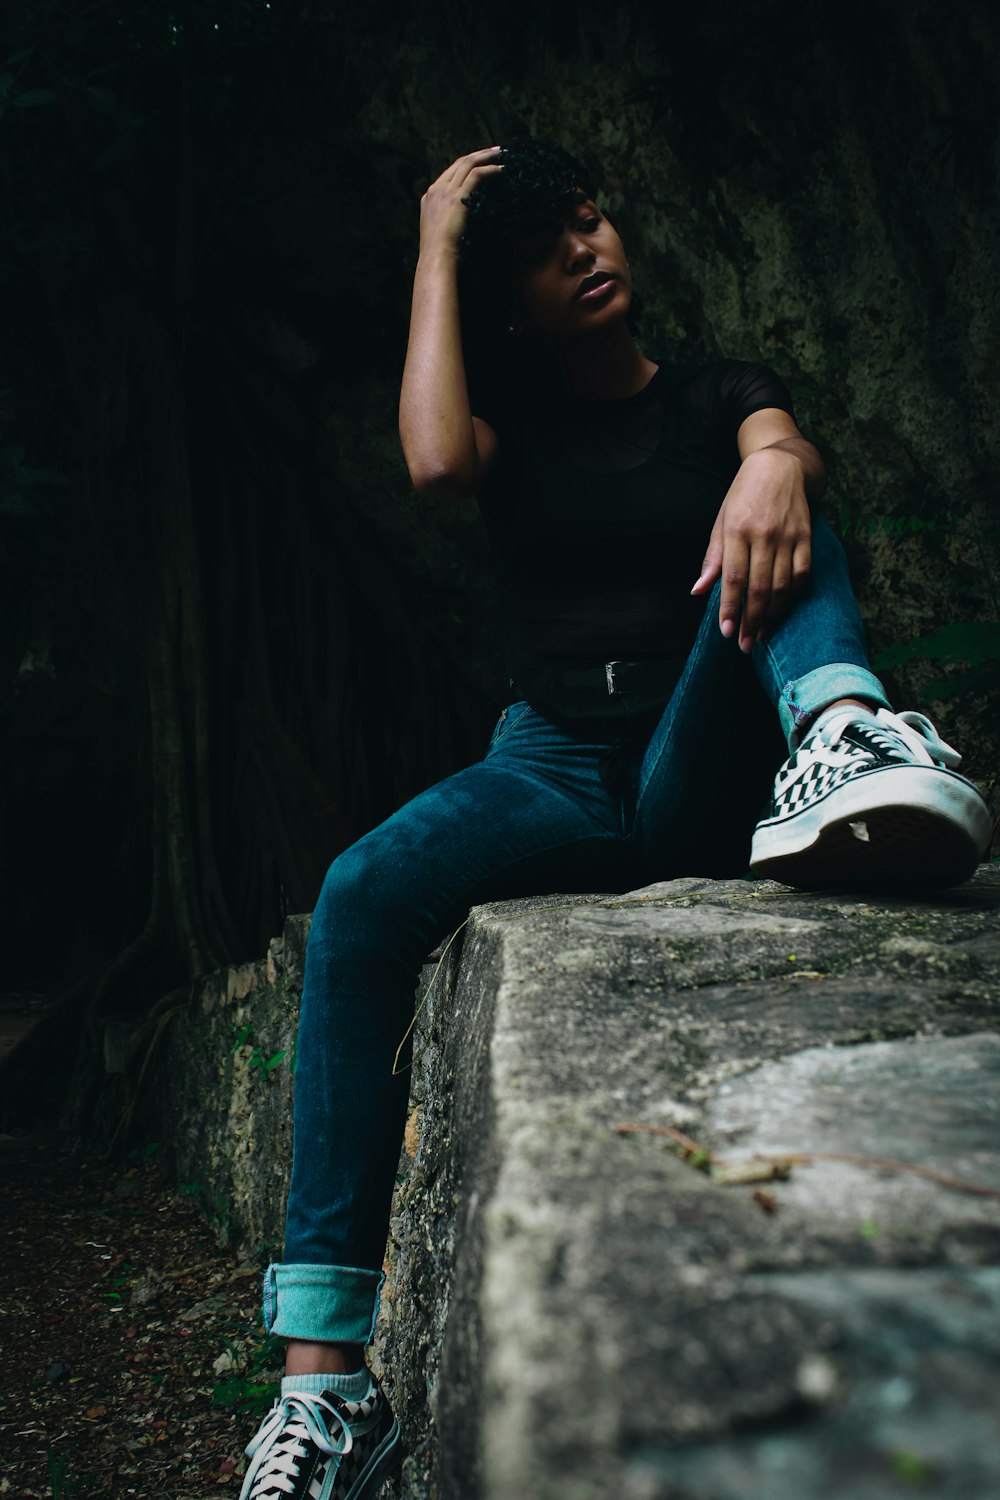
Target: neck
603,367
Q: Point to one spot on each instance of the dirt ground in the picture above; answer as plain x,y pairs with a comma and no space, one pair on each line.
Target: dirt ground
132,1361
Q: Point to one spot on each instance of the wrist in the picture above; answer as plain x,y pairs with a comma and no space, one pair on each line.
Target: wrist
778,457
808,470
437,261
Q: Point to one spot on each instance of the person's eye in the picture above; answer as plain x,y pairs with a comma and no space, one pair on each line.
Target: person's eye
588,224
534,252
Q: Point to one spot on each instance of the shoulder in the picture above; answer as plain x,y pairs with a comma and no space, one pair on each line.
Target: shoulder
727,391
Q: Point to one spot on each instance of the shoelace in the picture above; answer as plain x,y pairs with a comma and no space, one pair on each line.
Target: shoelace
920,739
297,1418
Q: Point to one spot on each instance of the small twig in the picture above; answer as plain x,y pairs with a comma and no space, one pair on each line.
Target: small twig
687,1145
442,954
796,1158
941,1178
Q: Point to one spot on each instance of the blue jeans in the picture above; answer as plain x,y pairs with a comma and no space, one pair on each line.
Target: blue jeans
534,815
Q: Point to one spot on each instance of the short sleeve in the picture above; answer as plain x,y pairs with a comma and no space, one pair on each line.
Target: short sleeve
728,392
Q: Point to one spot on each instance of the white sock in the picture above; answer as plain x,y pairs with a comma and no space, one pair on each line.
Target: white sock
834,711
851,710
354,1386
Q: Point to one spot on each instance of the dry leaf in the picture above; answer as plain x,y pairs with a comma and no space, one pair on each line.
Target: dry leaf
753,1169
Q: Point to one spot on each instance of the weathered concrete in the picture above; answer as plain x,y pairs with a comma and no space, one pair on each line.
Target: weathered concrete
575,1313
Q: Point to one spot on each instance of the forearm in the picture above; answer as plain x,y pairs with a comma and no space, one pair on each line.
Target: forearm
435,418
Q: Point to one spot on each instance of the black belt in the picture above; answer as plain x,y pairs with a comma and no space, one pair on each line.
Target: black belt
618,678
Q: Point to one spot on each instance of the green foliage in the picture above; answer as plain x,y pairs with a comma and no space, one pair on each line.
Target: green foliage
265,1064
867,525
61,1483
57,1473
243,1395
146,1154
975,642
910,1467
242,1036
257,1058
13,97
246,1390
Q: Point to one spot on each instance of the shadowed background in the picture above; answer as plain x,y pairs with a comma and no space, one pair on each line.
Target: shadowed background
231,637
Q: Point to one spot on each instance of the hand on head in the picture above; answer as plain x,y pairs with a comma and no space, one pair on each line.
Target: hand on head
444,206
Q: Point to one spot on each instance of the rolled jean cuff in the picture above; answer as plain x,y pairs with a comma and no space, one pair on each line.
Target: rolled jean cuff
323,1304
802,699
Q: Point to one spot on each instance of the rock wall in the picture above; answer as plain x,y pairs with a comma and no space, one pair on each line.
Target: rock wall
783,1277
807,185
222,1098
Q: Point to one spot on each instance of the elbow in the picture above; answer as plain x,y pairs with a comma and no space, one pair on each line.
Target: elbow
441,481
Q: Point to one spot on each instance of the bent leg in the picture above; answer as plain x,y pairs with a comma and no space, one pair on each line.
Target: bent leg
708,770
533,815
817,652
867,796
708,765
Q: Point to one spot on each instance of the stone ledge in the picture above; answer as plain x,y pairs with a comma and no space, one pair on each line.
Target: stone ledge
221,1101
574,1313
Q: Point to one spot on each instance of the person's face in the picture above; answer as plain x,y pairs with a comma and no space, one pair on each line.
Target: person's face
573,280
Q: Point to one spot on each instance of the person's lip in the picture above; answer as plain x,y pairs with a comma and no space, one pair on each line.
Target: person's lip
593,283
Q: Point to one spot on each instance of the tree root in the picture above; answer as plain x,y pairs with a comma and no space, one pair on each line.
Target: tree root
143,1048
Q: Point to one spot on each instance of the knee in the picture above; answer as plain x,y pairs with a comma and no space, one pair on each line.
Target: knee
348,921
354,883
369,934
373,896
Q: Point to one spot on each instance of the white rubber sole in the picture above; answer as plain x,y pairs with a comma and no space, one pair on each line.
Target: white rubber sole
915,826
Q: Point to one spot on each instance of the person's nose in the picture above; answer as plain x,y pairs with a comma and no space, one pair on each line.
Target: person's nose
578,253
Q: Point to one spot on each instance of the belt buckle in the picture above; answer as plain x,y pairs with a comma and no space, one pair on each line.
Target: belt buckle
609,673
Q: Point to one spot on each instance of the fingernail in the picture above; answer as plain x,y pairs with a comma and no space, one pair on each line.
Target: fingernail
727,627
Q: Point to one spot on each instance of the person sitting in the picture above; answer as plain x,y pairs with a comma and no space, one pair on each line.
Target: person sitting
682,643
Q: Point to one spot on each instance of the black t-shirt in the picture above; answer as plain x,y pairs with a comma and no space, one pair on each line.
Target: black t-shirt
599,514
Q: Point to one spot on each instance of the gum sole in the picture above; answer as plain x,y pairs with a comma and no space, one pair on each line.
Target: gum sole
907,847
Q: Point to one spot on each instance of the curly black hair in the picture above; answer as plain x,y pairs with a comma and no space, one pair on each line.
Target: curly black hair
539,183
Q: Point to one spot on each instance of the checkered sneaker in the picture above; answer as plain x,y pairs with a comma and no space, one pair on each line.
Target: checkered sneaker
323,1448
871,798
